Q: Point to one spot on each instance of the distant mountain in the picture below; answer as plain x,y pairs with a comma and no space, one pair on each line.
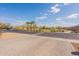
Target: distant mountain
74,28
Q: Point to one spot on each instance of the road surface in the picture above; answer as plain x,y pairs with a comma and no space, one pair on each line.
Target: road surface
16,44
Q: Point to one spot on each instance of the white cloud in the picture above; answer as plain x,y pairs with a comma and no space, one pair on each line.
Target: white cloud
69,17
56,5
58,19
73,16
55,9
66,3
41,17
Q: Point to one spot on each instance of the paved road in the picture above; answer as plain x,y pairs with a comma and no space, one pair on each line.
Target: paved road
24,45
51,34
72,36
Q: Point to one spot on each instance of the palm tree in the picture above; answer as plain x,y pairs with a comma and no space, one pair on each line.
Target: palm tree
31,26
27,25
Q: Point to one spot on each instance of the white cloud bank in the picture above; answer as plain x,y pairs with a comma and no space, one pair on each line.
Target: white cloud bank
69,17
73,16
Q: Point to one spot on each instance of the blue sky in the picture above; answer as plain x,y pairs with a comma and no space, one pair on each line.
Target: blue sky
49,14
